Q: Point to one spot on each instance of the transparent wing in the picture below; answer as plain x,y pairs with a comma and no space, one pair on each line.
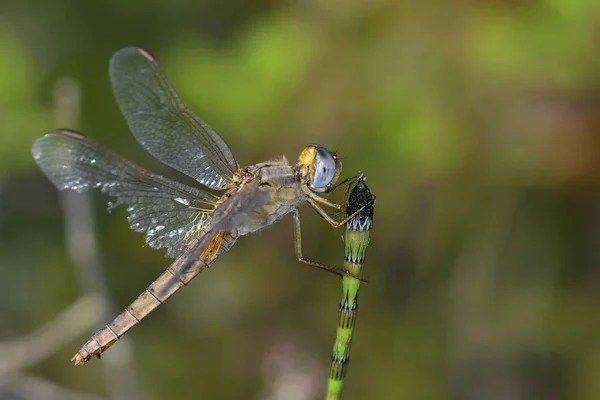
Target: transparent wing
170,213
163,124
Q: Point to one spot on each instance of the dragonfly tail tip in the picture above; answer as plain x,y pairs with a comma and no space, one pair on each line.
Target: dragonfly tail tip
77,359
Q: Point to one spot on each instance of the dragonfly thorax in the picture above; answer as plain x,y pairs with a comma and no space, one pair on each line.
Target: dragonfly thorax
242,176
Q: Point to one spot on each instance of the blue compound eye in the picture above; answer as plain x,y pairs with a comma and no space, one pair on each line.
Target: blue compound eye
324,168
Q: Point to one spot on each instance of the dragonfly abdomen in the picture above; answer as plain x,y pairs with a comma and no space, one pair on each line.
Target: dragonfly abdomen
131,316
179,274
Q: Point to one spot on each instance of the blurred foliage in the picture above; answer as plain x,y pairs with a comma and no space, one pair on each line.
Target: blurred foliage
475,122
18,110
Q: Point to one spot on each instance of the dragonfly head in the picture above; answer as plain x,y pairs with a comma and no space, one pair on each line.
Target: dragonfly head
318,167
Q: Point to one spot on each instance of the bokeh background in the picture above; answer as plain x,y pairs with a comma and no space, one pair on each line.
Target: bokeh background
476,122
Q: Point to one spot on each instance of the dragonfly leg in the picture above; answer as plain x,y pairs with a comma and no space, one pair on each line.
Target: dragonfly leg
332,221
302,259
346,182
323,200
330,189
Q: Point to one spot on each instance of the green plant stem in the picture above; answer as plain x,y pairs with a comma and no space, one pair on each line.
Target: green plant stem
356,241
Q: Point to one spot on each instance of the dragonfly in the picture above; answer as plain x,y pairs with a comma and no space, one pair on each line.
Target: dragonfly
194,224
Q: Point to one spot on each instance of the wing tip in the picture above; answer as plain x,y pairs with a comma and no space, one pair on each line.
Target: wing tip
133,50
145,53
38,144
72,133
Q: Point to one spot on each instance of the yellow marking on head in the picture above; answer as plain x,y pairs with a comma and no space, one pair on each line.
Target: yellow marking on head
307,156
145,54
306,162
213,247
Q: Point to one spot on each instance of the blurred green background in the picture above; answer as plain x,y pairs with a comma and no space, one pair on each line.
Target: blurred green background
476,123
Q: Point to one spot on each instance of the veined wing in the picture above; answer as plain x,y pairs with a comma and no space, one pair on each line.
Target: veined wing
163,124
170,213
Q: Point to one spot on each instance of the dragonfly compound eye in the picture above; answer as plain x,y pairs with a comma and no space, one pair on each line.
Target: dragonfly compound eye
324,168
319,166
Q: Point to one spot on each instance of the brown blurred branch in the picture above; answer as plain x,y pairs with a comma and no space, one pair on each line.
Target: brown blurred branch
27,351
82,248
28,387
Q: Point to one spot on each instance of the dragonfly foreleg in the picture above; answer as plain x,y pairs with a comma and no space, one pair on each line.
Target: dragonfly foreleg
346,182
302,259
320,199
331,220
330,189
